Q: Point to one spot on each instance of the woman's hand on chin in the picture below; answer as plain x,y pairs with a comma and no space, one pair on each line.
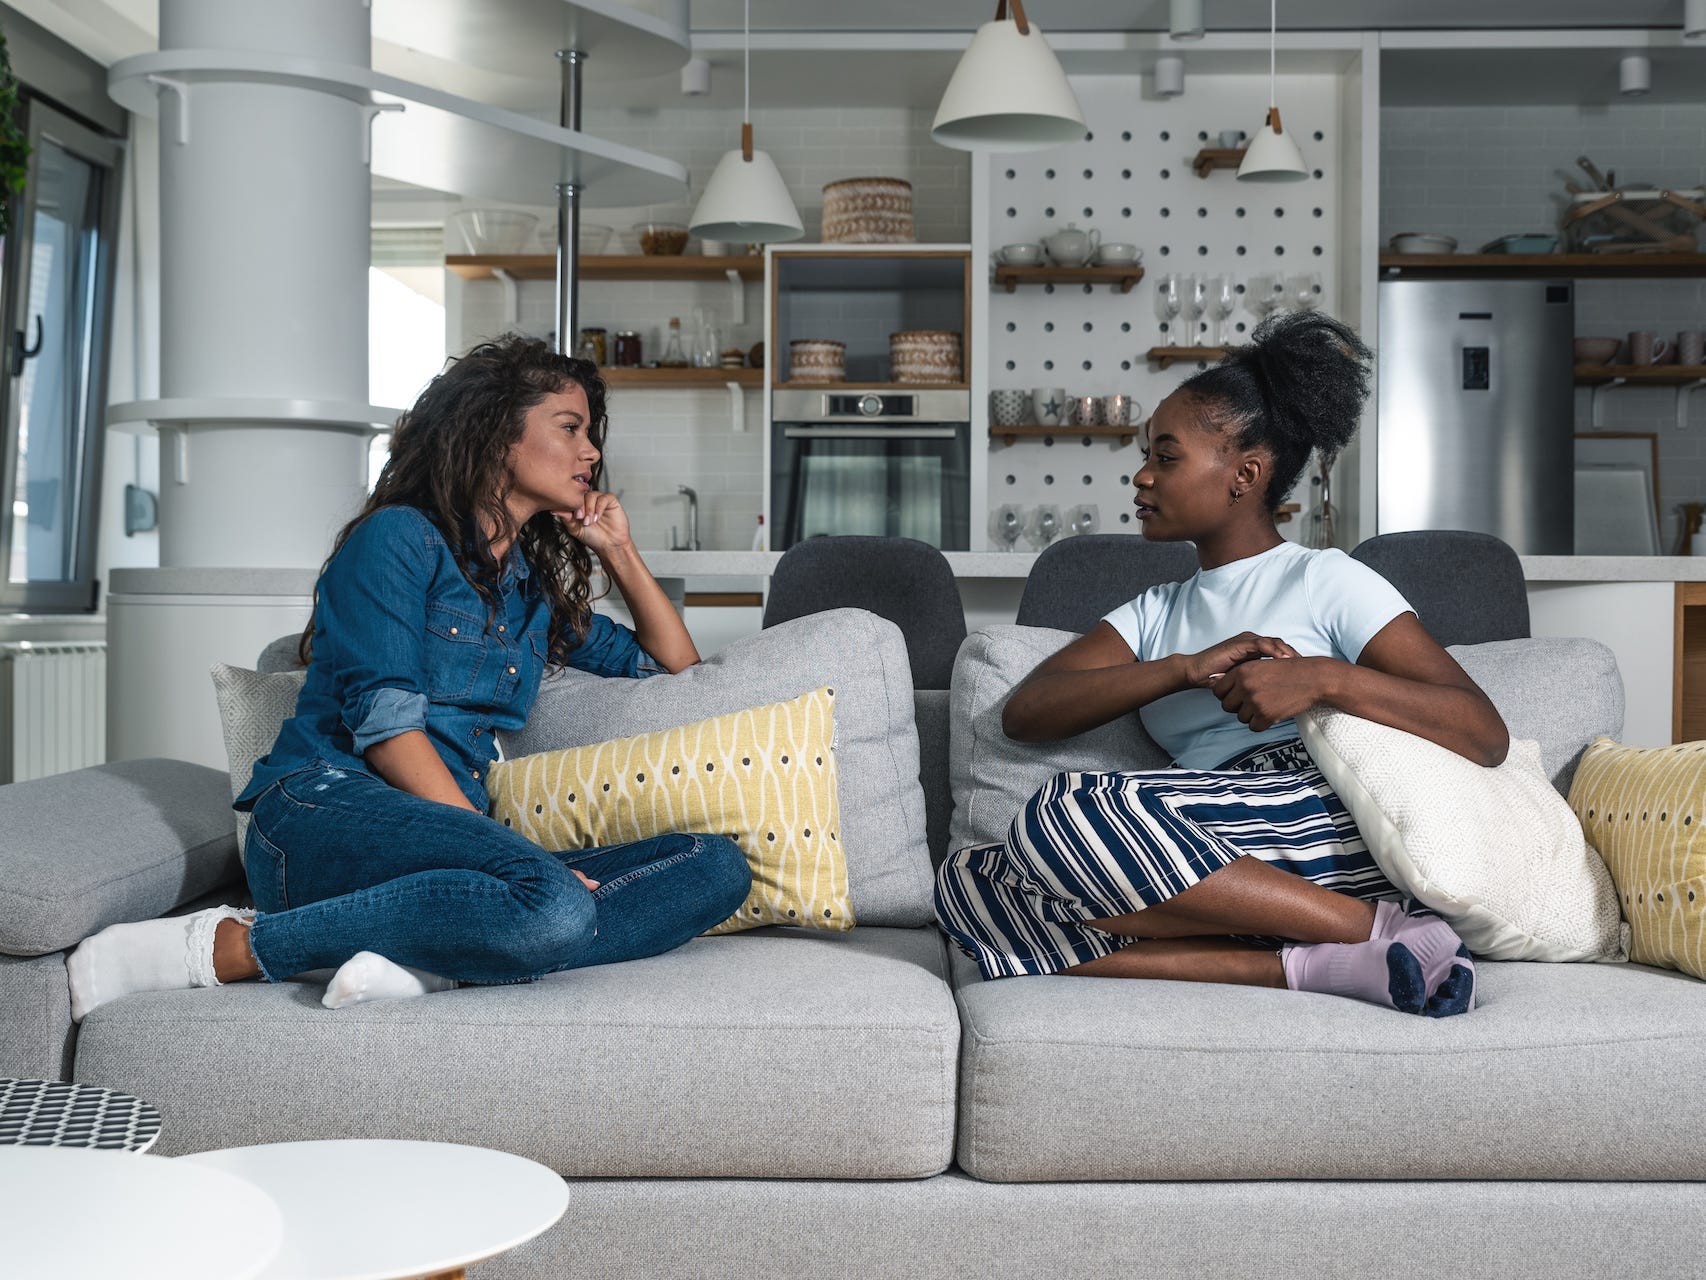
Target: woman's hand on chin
600,524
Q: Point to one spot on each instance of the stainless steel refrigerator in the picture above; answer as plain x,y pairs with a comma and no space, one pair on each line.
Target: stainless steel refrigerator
1477,409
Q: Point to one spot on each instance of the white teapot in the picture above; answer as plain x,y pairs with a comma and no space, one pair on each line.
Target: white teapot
1072,247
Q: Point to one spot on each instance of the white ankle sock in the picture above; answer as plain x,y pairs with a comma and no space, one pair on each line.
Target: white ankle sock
151,955
369,976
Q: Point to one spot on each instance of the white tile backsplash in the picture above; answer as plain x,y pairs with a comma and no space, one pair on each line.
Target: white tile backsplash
1477,173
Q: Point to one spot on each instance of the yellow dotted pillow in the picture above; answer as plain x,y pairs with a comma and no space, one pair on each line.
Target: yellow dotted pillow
764,777
1644,809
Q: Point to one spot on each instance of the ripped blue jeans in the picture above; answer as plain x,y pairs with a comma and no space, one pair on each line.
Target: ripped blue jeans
340,861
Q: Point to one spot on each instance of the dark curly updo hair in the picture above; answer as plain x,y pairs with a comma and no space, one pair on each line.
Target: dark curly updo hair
450,458
1297,388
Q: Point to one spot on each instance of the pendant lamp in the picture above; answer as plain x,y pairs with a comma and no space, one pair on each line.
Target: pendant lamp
1272,155
746,201
1008,92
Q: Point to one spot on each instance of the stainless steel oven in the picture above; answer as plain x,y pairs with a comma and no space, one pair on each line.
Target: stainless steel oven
872,461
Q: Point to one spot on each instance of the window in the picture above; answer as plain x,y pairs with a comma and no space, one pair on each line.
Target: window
56,313
405,321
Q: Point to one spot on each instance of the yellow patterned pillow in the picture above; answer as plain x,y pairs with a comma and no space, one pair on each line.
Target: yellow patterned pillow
764,777
1644,809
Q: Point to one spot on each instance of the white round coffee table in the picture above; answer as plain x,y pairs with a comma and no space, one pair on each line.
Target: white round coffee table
370,1209
78,1214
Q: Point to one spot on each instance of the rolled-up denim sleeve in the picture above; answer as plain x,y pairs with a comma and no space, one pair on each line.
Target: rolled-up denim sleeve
372,623
611,649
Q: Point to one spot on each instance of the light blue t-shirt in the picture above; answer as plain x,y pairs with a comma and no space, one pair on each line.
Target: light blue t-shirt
1322,603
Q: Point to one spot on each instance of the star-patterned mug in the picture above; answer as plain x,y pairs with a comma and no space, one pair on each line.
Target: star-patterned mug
1050,405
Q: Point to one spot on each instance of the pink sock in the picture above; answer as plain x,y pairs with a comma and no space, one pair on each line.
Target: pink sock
1378,971
1448,970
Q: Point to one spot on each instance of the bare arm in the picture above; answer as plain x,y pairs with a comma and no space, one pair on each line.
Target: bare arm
1402,678
657,626
1097,678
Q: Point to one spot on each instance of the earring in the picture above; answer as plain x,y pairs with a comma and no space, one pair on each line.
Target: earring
1236,494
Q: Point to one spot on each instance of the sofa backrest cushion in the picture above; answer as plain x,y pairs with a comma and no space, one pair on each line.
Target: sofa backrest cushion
863,658
118,842
253,706
930,710
1560,692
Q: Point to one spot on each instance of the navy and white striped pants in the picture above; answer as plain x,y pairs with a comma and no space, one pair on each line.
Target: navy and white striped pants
1092,845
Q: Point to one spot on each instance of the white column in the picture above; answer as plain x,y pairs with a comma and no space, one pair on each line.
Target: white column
264,215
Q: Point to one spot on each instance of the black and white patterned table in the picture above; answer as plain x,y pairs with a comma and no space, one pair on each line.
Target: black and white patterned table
54,1113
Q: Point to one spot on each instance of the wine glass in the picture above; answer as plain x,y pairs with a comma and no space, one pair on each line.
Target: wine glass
1196,298
1007,523
1086,517
1303,292
1168,299
1263,295
1044,525
1222,302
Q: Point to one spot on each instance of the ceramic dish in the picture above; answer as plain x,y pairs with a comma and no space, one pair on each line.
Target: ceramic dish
1597,350
1422,242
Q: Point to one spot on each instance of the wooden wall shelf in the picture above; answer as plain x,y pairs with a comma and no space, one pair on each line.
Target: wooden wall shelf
1648,375
873,386
1035,431
1165,356
1122,276
1602,266
634,266
671,379
1211,158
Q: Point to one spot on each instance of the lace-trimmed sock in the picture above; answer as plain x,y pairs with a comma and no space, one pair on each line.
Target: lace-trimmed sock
369,976
151,955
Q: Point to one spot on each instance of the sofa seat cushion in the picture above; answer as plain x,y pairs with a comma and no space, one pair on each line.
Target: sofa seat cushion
1562,1071
769,1054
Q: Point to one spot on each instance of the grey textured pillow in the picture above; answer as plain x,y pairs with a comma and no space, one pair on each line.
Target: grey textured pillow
118,842
1560,692
252,709
992,775
863,658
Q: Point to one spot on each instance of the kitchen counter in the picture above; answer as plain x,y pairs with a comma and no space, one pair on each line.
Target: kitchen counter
1017,565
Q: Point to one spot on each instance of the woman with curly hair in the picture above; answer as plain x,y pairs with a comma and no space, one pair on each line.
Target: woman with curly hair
369,848
1239,864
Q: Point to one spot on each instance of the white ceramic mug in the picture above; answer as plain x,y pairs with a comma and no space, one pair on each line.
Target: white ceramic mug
1019,255
1050,405
1691,347
1646,347
1117,253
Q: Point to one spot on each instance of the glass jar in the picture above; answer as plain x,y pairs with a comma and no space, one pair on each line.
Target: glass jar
595,339
674,355
627,349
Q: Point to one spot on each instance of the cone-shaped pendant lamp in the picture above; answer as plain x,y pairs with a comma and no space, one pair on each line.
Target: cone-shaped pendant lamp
1008,92
746,201
1272,155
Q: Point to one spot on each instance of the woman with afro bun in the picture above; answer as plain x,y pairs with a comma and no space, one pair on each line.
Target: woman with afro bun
1238,864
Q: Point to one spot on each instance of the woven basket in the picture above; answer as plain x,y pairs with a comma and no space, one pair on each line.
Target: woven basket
925,355
868,211
817,360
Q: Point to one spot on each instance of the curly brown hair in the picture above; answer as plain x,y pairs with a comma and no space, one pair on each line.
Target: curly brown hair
449,459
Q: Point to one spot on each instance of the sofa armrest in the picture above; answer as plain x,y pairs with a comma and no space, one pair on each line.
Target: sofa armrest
37,1037
125,841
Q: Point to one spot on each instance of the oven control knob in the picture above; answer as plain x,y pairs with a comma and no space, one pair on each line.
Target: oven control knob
870,405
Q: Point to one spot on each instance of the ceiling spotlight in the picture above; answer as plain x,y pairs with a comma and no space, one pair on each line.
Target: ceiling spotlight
1169,76
1184,19
696,77
1634,75
1694,19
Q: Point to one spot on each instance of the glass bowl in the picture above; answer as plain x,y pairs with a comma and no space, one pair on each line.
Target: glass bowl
493,230
660,239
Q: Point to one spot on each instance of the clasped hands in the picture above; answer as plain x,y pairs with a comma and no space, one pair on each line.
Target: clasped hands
1260,679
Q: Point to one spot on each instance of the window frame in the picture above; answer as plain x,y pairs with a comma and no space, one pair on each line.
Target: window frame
47,122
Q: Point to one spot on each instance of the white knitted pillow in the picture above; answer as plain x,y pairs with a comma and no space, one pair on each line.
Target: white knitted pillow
1497,852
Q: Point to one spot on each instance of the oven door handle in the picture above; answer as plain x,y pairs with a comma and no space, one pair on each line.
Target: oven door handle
869,433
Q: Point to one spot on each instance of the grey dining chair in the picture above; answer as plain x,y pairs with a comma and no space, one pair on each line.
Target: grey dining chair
1077,581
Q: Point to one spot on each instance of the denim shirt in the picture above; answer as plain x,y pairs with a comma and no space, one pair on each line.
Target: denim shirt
402,641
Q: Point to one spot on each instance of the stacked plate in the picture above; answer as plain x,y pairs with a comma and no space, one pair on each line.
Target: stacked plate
925,355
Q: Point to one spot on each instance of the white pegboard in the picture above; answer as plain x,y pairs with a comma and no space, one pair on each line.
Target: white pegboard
1133,181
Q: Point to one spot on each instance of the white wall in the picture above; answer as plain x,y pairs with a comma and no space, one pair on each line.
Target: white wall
659,439
1477,173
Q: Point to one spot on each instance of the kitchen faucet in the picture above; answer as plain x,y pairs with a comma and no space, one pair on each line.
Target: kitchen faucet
692,517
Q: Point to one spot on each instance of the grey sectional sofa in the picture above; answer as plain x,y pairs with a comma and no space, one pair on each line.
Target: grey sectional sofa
859,1104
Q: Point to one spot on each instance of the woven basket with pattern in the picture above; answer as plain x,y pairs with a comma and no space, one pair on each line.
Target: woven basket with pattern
868,211
925,355
817,360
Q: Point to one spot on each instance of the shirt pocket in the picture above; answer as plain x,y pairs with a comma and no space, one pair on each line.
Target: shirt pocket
455,651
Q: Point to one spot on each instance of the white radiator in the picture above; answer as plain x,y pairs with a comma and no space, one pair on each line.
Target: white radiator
53,708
